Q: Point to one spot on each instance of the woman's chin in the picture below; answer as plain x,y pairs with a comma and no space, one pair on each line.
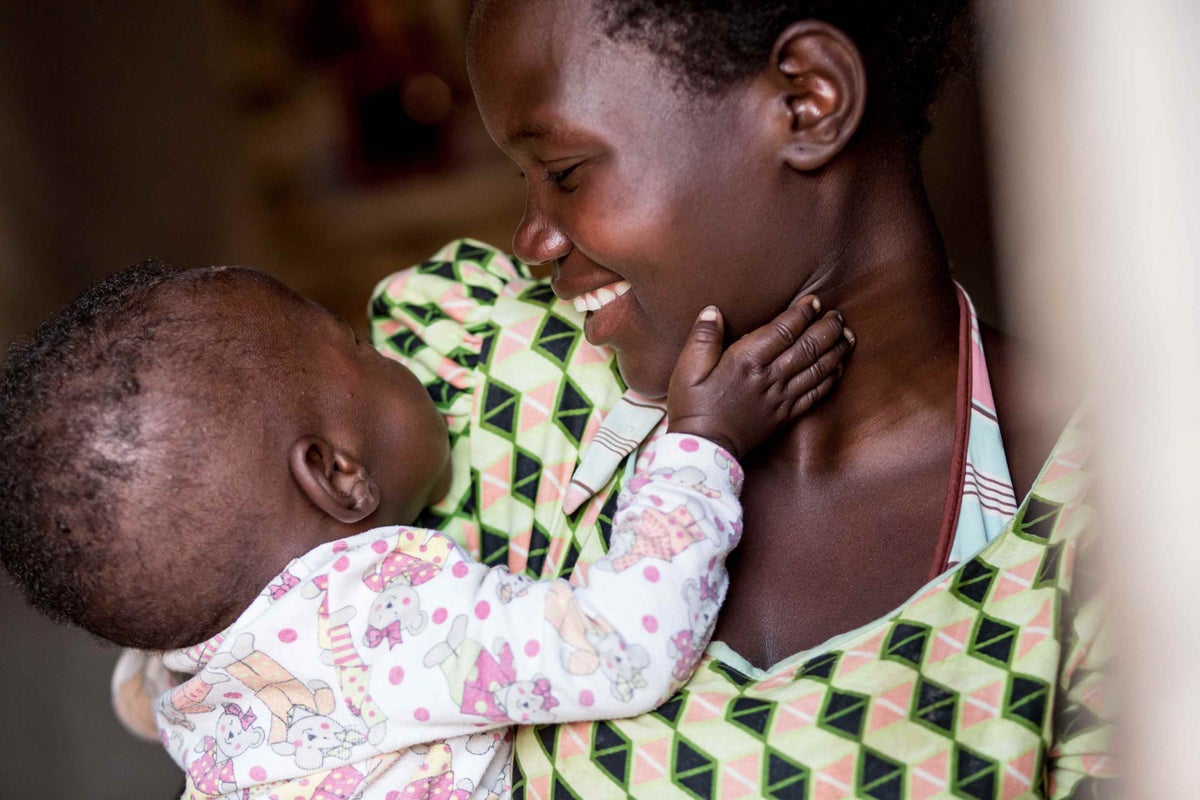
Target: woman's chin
647,379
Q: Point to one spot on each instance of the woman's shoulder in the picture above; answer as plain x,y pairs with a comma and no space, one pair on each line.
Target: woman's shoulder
1033,403
477,270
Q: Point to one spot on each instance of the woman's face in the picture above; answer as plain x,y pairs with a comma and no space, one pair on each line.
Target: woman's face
648,203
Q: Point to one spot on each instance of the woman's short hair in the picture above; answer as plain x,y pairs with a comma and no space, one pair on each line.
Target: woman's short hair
715,43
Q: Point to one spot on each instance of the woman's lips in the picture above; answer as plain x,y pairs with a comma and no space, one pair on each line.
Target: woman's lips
608,317
599,298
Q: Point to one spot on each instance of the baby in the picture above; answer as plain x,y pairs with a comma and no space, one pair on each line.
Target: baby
175,441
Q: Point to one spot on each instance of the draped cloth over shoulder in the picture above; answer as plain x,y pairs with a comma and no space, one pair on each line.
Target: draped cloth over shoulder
990,682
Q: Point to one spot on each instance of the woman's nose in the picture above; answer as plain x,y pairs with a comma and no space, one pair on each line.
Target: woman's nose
538,239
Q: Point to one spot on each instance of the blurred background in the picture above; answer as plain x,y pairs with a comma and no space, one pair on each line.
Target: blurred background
328,142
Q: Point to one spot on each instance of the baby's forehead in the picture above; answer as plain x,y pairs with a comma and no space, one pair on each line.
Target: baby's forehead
232,302
223,286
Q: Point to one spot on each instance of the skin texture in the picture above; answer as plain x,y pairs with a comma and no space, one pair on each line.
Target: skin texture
787,183
330,440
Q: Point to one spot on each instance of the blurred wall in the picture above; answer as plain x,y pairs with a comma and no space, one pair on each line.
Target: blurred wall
113,149
140,129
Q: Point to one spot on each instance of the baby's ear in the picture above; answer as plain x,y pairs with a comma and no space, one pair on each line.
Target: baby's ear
335,482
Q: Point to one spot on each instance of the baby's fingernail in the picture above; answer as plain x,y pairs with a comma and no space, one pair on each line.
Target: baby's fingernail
849,334
816,304
709,314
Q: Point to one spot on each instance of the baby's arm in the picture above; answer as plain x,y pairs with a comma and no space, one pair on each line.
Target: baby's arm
422,643
619,642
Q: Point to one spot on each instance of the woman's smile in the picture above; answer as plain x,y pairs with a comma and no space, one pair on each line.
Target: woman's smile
606,319
598,299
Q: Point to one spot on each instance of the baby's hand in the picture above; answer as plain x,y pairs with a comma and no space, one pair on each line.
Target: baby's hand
763,382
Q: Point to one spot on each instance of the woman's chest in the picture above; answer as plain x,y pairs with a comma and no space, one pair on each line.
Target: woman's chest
817,563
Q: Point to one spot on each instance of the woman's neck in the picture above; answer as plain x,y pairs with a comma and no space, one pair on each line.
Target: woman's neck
892,285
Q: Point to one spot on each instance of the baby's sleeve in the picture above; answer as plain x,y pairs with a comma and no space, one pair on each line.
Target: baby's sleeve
492,648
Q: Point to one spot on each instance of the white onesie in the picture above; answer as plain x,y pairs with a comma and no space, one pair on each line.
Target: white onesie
390,664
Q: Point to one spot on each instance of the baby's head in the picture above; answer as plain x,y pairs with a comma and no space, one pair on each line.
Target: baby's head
173,438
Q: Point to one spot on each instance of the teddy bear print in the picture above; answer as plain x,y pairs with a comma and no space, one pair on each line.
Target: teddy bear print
650,533
512,585
437,776
282,585
311,738
692,479
590,643
416,558
279,690
484,683
212,773
621,663
396,610
188,698
338,651
578,655
703,601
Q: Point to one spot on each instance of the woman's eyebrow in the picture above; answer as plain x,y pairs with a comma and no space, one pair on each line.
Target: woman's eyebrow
535,130
541,130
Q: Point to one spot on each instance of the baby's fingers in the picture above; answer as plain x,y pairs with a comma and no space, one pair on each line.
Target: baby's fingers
810,348
772,340
810,385
702,350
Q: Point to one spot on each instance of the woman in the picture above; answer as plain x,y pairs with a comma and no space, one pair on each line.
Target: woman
679,154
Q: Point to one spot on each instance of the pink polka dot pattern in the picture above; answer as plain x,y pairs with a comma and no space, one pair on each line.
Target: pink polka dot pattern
380,546
482,609
650,623
396,675
421,715
287,636
689,445
460,569
258,774
439,616
341,564
651,574
586,698
340,545
532,648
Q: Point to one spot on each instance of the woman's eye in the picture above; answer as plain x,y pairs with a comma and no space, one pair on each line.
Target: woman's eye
559,177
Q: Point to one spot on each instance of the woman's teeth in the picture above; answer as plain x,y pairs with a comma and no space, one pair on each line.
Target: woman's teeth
598,299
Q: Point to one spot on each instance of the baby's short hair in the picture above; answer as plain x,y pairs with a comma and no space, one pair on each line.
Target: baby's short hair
75,431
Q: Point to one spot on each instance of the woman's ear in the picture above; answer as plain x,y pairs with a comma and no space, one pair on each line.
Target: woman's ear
822,82
333,480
